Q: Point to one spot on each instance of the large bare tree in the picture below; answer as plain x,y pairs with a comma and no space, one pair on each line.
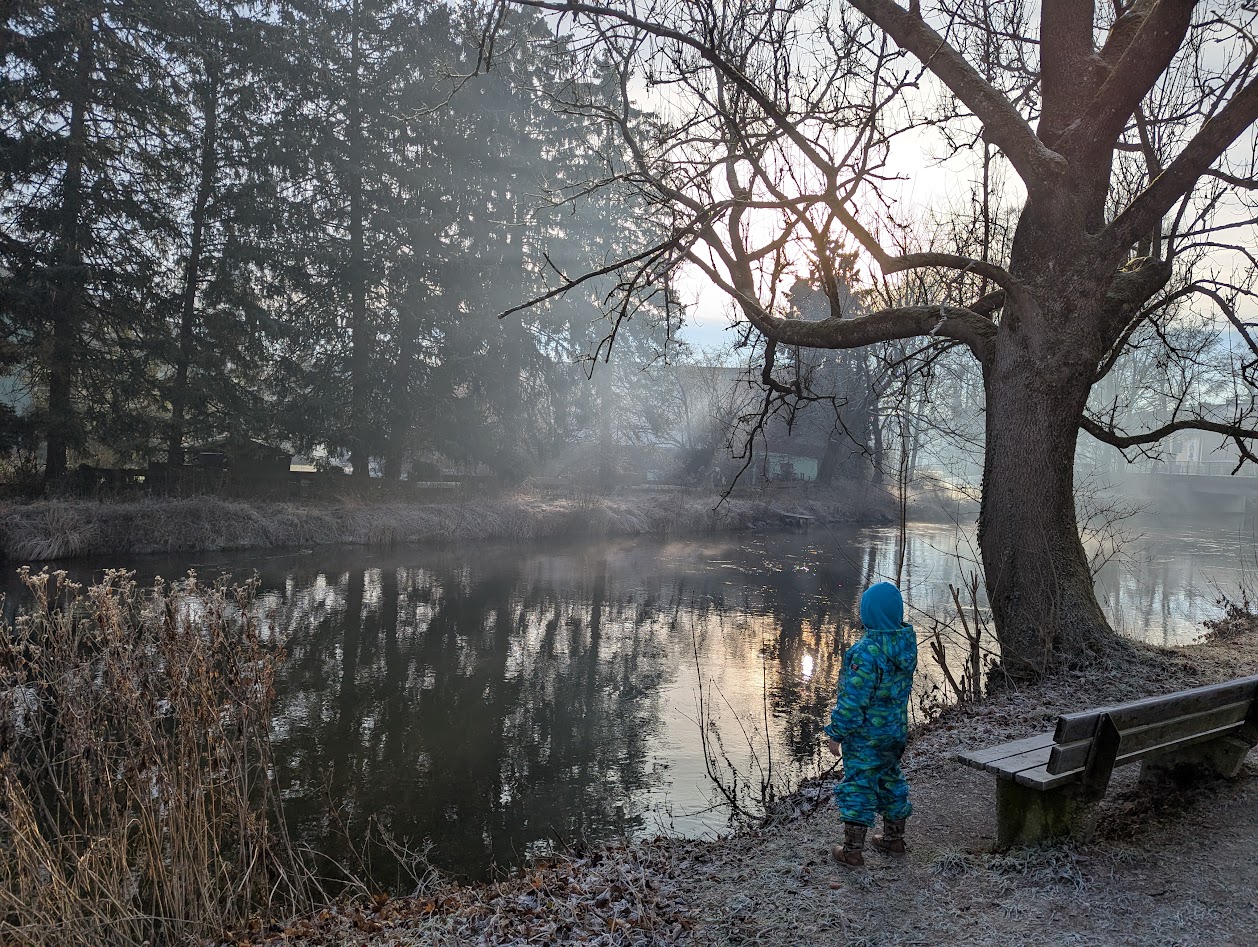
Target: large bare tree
770,136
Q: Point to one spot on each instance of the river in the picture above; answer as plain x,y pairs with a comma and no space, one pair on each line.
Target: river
499,700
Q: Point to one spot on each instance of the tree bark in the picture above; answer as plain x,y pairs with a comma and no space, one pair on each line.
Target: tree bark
606,405
65,301
192,270
1039,582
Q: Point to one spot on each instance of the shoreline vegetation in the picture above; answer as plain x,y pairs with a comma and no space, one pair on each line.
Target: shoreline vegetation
63,529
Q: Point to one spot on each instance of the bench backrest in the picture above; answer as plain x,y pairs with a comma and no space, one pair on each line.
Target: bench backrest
1157,723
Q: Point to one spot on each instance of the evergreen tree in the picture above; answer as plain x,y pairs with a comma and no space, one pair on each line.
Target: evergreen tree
220,340
84,100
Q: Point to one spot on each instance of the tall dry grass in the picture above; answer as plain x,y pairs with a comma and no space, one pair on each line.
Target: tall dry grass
57,529
136,799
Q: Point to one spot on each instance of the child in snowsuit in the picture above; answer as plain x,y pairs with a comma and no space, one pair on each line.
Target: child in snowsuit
870,723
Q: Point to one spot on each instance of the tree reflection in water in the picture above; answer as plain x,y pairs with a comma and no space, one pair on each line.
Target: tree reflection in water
503,702
499,700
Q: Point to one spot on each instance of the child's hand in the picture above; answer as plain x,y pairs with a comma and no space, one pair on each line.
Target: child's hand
835,748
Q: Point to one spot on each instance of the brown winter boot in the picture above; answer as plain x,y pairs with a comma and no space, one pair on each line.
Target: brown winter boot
891,841
850,853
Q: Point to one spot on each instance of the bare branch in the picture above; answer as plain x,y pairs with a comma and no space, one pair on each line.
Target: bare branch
1214,138
709,54
905,322
1246,184
1037,165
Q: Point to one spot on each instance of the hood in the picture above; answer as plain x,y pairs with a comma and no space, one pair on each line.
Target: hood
882,607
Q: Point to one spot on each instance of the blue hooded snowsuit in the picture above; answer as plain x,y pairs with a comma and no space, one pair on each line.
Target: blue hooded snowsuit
871,716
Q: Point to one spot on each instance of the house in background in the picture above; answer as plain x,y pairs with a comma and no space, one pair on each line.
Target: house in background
243,457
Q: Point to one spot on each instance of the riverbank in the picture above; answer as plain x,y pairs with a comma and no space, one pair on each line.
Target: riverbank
61,529
1171,868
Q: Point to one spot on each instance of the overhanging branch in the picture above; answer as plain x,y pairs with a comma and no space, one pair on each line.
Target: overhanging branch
886,325
1037,165
1123,441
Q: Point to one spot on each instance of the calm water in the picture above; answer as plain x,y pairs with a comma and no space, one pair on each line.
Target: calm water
499,700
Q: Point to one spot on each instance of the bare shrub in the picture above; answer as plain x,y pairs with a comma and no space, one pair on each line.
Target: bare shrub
136,798
970,628
1239,619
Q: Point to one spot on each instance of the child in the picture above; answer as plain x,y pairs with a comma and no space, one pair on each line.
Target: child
869,726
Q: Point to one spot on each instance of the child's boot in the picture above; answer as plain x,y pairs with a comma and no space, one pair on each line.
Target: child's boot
851,853
891,841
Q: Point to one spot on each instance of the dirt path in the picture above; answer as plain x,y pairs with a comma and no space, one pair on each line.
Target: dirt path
1170,871
1164,868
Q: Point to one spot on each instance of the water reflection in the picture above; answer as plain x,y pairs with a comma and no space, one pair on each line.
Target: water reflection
501,699
476,704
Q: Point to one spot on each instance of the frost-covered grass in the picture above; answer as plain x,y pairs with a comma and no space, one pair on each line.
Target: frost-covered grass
60,529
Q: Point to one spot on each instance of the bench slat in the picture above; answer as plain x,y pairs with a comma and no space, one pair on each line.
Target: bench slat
980,758
1147,739
1008,766
1081,726
1041,778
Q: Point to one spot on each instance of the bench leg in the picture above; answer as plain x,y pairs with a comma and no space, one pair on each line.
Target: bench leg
1025,816
1223,757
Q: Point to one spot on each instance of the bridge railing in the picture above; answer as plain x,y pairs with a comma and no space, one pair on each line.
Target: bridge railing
1208,468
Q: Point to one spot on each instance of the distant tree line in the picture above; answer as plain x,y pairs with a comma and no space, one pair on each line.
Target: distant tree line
298,222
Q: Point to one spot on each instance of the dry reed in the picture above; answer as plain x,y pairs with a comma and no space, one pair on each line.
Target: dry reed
136,799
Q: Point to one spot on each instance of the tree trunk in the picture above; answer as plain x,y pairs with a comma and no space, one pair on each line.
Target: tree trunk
1038,580
192,270
875,431
357,262
607,458
67,278
402,412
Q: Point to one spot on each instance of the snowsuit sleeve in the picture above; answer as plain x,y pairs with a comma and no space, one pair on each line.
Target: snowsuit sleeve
855,693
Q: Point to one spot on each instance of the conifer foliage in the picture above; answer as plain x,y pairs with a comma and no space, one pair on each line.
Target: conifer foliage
299,222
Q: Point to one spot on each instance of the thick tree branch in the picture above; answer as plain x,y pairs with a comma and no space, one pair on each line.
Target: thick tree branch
1124,30
1214,138
1133,286
1122,441
1157,39
988,304
952,261
885,325
1003,126
1068,64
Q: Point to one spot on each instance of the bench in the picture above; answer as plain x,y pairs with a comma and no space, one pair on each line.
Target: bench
1047,785
797,520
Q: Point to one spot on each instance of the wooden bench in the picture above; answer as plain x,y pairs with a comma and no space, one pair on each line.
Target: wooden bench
797,520
1046,785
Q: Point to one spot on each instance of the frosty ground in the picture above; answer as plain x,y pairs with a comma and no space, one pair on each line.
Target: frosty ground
1175,867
